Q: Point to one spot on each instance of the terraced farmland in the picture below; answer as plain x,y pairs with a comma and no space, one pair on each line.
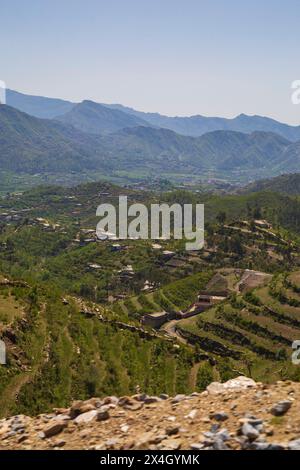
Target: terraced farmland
175,296
254,330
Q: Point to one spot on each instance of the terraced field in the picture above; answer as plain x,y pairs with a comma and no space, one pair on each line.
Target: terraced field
175,296
254,330
55,352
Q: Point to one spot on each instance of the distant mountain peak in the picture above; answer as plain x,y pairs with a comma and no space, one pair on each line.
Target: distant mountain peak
38,106
89,116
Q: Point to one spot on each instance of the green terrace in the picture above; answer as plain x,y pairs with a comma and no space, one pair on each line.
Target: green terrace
256,327
173,297
56,353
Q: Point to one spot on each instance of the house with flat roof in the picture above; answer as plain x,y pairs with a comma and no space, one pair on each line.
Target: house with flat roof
155,320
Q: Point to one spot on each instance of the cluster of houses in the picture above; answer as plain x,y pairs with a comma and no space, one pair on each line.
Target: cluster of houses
13,215
89,235
16,216
216,291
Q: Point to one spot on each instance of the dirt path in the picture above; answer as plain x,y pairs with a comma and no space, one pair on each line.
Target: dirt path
170,329
12,391
10,394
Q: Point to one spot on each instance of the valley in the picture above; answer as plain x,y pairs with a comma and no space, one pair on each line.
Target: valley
73,309
64,143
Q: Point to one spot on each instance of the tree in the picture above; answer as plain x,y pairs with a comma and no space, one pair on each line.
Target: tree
257,212
236,245
205,376
249,361
249,210
252,226
221,217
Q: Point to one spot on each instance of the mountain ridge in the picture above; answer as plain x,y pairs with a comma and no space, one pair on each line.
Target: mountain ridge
37,106
95,118
30,144
196,125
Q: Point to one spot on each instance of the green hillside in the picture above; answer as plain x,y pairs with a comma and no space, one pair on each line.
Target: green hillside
56,354
69,146
29,144
285,184
255,329
71,312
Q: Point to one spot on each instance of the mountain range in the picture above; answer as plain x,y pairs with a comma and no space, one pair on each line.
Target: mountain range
32,144
199,125
94,117
40,134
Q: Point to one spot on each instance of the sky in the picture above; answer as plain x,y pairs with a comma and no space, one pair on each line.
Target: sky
176,57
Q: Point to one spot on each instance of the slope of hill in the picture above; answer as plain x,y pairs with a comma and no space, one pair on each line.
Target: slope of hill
257,326
199,125
38,106
95,118
290,159
29,144
220,150
77,315
285,184
55,352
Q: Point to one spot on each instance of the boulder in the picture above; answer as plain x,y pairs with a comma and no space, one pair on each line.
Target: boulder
250,432
100,414
220,416
150,400
239,383
281,408
79,407
53,428
86,417
163,396
294,445
178,398
171,430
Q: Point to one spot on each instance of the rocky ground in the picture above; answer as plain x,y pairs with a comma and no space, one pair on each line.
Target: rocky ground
239,414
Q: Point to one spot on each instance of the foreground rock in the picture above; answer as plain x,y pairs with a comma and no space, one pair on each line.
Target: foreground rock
239,414
52,429
281,408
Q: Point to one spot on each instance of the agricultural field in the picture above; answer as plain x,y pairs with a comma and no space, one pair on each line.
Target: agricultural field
254,329
173,297
56,351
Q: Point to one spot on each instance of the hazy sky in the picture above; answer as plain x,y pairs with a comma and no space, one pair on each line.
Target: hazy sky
177,57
